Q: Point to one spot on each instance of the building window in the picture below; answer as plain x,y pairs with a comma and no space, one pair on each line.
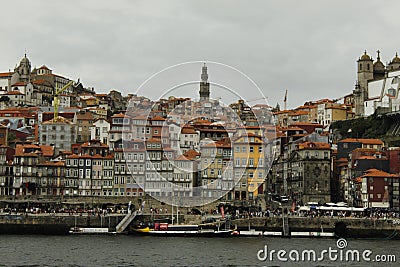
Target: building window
251,162
237,162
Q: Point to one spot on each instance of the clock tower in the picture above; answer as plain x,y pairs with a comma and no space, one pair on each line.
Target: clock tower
204,85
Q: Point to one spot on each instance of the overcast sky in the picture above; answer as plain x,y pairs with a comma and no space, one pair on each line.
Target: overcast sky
309,48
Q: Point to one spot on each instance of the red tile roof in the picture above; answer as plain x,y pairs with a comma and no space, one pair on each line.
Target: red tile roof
140,117
295,128
14,93
19,84
120,115
48,151
191,154
379,173
45,151
362,140
94,144
314,145
44,67
158,118
154,140
50,115
6,74
53,163
188,130
84,116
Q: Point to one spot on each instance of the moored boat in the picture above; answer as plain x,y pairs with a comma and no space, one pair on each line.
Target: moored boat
90,230
166,229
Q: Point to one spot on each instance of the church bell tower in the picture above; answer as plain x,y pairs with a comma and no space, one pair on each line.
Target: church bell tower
204,85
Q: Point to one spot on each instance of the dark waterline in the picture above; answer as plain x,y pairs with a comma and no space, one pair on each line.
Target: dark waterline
169,251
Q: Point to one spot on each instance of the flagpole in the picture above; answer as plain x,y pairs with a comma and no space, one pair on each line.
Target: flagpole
285,100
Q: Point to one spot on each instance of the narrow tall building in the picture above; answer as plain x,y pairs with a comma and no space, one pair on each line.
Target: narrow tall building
204,85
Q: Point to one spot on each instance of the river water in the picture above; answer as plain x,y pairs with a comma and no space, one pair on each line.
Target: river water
122,250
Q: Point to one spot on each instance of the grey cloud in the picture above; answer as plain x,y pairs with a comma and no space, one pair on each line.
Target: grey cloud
306,47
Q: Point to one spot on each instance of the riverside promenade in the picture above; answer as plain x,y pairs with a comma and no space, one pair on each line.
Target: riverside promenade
348,227
54,223
60,223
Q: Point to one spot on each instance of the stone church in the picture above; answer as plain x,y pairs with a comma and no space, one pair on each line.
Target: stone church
377,87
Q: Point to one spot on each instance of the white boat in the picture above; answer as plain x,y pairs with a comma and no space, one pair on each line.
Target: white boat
312,234
89,230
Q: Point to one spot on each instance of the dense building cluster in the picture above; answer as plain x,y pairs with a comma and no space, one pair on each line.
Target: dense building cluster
59,138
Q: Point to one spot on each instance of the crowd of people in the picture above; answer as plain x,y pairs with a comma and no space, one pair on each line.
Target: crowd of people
63,211
229,213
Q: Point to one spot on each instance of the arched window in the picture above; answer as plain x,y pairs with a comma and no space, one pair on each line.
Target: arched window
360,66
367,66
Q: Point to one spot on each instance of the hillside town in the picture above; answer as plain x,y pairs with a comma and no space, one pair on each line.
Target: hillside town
60,140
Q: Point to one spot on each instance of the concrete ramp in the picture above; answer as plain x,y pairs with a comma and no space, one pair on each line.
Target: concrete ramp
125,222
